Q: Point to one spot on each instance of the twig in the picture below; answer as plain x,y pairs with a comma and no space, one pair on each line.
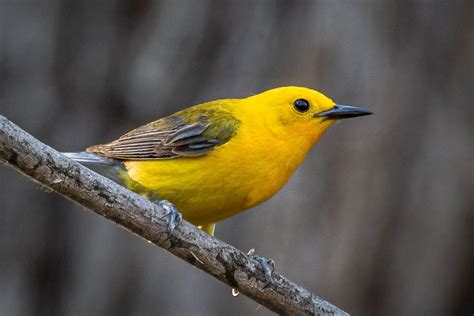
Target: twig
48,167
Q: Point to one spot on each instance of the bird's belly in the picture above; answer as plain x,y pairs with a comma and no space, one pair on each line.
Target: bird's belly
210,188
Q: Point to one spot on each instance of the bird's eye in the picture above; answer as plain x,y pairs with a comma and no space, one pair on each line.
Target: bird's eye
301,105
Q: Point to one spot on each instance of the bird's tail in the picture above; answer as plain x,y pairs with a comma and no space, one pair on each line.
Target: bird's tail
108,167
87,158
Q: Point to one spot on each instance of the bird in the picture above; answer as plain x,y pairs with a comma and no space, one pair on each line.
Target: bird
217,159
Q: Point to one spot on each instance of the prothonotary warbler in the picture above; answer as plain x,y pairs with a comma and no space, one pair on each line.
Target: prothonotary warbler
217,159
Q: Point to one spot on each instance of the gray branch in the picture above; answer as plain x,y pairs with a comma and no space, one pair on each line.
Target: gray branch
49,168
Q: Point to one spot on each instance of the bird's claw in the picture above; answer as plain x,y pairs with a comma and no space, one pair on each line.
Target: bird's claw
268,266
174,217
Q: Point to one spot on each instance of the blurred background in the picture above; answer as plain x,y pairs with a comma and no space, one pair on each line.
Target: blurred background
378,219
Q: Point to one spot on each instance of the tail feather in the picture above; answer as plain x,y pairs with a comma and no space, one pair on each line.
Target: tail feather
108,167
89,158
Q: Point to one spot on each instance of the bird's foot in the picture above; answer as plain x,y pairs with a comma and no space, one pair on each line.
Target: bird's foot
268,266
174,217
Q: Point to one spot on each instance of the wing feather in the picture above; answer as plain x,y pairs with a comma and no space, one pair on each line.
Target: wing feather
172,137
185,132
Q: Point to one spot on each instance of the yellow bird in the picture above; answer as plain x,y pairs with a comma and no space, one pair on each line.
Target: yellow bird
217,159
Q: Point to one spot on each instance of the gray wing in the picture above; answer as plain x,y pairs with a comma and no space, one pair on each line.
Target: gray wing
148,143
192,132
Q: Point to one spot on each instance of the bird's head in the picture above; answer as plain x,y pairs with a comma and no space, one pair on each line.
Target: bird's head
298,112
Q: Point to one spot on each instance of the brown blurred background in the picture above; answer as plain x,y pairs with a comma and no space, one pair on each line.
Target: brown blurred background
378,219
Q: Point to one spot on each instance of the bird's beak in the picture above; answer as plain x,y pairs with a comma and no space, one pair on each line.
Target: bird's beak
339,111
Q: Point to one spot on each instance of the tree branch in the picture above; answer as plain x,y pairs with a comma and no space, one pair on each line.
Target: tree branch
48,167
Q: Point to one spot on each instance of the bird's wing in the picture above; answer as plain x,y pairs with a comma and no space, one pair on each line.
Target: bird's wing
189,133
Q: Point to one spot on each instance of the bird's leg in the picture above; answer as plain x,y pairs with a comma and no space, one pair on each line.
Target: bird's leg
209,228
174,217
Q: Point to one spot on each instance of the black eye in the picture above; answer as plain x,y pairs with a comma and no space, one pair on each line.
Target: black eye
301,105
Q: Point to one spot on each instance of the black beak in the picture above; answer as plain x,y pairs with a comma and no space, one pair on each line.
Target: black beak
340,111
